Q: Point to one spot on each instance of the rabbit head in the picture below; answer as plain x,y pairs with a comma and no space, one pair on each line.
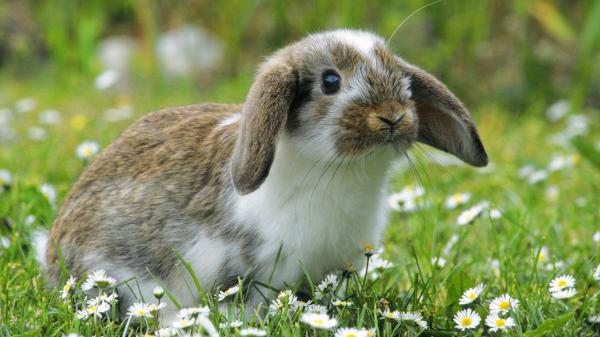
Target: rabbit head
344,94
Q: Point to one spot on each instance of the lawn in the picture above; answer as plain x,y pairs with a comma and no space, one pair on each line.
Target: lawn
516,243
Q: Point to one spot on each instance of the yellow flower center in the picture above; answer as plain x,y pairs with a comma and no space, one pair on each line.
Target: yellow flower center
318,321
467,321
141,312
66,288
504,305
456,197
500,322
93,308
562,283
542,257
78,122
87,151
351,335
390,315
472,296
368,248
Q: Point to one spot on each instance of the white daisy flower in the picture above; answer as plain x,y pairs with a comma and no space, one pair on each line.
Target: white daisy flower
231,291
66,290
378,263
158,292
544,254
596,275
49,117
495,322
24,105
537,176
193,312
555,265
596,237
414,317
438,261
350,332
98,279
73,334
408,194
562,162
552,193
370,332
469,215
168,332
503,304
253,332
155,307
318,321
471,294
466,319
594,319
49,192
183,323
451,242
561,283
525,171
316,308
139,310
87,150
29,220
387,313
82,314
328,284
557,110
562,294
231,324
37,133
457,199
97,310
4,242
5,180
495,213
207,325
340,303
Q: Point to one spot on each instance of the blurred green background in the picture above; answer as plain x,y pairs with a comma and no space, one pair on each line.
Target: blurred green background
515,53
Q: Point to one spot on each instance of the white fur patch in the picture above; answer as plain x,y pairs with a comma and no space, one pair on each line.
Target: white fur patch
321,214
405,92
231,119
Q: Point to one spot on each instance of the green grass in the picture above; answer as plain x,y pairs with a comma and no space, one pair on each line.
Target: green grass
531,220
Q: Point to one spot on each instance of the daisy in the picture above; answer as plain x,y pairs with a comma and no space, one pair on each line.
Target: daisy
408,195
466,319
87,150
594,319
350,332
49,117
231,291
316,308
561,283
597,273
139,310
457,199
37,133
327,285
495,322
562,294
370,332
103,298
232,324
193,312
596,237
525,171
390,314
29,220
97,310
340,303
471,294
253,332
378,263
49,192
158,292
503,304
98,279
25,105
5,179
439,262
471,214
370,250
318,321
183,323
155,307
495,213
537,176
82,314
557,110
414,317
70,284
544,254
168,332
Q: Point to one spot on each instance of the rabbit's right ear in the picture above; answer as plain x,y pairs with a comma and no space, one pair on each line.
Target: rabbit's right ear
263,116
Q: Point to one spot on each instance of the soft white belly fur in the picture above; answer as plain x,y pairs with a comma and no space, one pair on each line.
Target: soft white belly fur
319,213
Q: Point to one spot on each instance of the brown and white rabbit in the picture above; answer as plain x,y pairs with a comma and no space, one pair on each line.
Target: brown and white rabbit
302,167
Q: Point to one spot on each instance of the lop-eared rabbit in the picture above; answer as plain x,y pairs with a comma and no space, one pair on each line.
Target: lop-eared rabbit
297,173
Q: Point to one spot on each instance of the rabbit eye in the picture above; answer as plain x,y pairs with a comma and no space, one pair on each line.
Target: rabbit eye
330,82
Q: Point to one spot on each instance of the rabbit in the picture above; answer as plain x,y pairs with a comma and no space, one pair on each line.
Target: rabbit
292,181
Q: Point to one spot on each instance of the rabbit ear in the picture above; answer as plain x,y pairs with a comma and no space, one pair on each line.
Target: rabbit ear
263,116
444,122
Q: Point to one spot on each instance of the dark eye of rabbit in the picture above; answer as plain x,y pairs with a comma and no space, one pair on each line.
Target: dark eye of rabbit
331,82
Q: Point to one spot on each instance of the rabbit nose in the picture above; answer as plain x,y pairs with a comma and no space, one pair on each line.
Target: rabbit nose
391,124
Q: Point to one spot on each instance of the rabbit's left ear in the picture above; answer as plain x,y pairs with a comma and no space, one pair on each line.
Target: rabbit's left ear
263,116
444,122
